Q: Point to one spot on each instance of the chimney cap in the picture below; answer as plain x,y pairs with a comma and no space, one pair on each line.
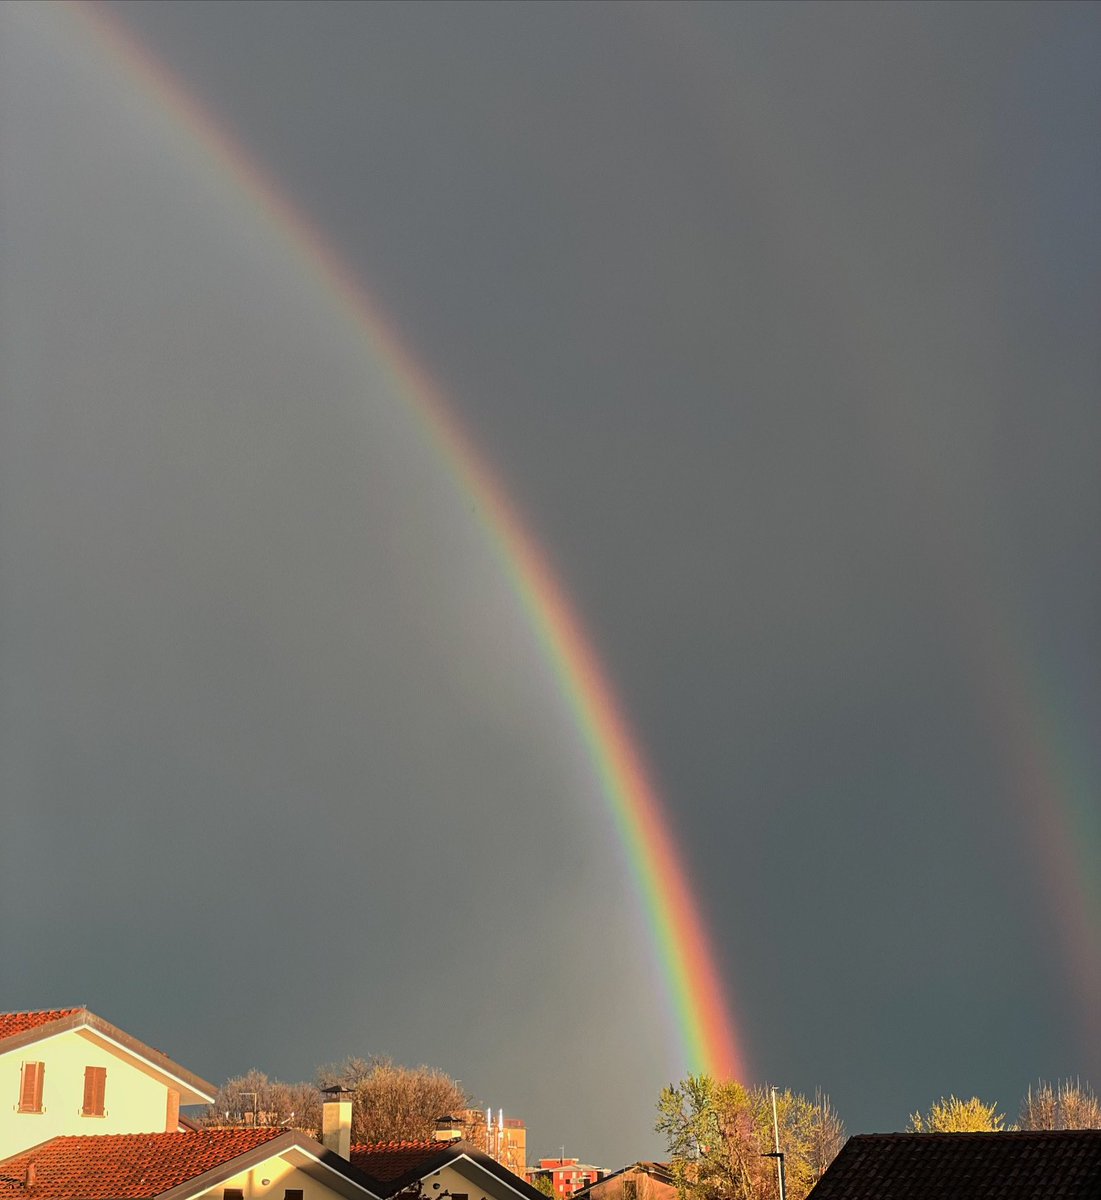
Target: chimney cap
337,1090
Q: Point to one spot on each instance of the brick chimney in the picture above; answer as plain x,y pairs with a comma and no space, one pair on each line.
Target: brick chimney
336,1120
172,1111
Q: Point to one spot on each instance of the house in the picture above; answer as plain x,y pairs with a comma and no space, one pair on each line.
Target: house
66,1071
218,1164
639,1181
69,1072
1040,1165
453,1168
566,1175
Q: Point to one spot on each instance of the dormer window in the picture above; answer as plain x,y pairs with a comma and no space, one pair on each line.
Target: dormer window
95,1084
30,1087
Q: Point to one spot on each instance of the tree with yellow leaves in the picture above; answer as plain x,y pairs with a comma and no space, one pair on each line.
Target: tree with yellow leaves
951,1115
719,1136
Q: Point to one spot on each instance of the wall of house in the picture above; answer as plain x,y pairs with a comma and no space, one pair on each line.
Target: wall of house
632,1185
134,1101
458,1184
270,1181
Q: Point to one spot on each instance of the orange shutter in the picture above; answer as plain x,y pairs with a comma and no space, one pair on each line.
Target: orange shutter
95,1081
30,1088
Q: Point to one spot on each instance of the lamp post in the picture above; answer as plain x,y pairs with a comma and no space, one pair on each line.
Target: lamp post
779,1156
777,1153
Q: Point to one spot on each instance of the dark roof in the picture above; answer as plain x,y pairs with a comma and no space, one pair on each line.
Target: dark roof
1059,1165
394,1166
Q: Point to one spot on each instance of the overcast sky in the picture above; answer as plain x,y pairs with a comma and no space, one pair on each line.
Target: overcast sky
778,323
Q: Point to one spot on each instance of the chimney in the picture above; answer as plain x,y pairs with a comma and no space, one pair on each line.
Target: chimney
336,1120
448,1129
32,1171
172,1111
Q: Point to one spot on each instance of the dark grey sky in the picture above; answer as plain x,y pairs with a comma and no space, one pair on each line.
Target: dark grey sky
779,324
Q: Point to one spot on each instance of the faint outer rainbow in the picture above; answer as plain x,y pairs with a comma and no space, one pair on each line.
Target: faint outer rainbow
697,996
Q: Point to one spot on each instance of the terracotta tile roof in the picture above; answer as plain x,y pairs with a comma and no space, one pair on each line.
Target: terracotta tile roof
1060,1165
19,1022
126,1166
23,1026
387,1161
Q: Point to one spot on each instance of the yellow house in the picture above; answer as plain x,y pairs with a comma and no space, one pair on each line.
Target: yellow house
67,1071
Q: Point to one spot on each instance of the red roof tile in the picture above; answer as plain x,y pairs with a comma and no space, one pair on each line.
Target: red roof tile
127,1166
386,1161
20,1022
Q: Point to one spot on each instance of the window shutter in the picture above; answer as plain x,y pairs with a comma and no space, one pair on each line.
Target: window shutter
95,1082
30,1088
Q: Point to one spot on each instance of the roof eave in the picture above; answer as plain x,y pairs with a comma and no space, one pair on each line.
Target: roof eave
189,1082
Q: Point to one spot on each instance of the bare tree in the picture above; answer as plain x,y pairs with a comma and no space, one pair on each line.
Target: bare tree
1065,1105
254,1099
395,1103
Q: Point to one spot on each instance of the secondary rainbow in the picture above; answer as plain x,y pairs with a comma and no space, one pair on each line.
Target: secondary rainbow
709,1041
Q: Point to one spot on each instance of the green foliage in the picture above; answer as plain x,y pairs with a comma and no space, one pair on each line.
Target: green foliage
719,1132
545,1184
952,1115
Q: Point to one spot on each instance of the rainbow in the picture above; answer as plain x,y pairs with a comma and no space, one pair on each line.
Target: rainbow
1049,767
695,991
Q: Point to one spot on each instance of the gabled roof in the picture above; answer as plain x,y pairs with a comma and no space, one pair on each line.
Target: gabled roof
15,1023
387,1161
662,1172
21,1029
171,1166
1058,1165
394,1166
125,1166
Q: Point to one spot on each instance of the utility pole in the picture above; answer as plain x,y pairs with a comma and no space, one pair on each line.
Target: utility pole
777,1153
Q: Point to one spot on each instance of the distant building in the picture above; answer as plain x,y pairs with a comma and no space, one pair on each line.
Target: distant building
504,1139
88,1112
567,1175
639,1181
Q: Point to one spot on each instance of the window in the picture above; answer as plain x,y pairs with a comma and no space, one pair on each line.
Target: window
233,1194
292,1194
95,1082
30,1087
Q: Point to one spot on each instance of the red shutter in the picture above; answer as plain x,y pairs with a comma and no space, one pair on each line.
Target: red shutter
95,1082
30,1087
